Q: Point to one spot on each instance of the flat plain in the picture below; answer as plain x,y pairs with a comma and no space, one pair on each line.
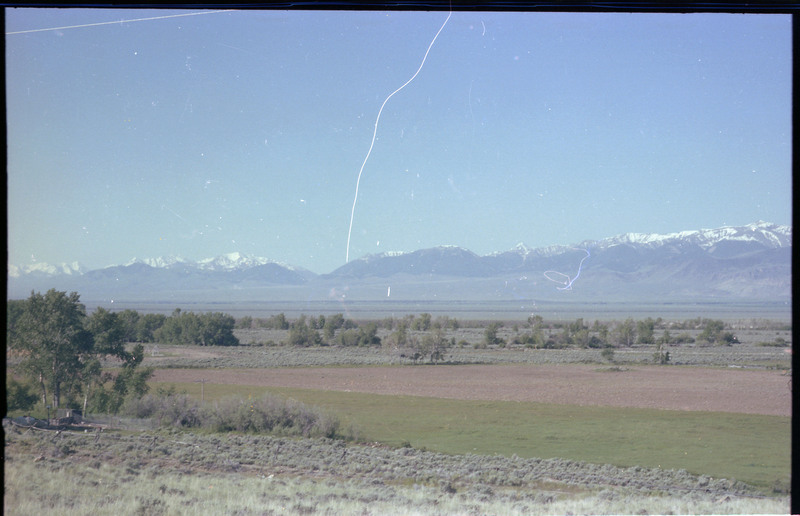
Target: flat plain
673,388
498,430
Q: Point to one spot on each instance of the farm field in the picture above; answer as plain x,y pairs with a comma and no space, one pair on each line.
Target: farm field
488,430
764,392
722,422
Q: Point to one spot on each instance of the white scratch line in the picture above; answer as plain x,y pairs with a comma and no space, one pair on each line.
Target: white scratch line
117,21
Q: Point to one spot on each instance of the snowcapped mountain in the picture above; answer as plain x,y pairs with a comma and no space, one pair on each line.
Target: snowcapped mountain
764,233
46,269
158,263
730,262
752,261
231,262
226,262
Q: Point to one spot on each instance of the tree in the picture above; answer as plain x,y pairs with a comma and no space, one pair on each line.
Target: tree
490,335
625,333
399,338
188,328
130,322
108,389
535,321
245,322
645,329
130,380
300,334
332,323
216,329
582,339
61,349
423,323
364,336
19,396
109,332
147,325
661,356
714,333
50,336
279,322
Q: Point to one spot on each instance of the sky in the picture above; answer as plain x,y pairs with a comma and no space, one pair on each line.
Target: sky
246,131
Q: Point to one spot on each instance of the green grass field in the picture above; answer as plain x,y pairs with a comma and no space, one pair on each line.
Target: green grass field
751,448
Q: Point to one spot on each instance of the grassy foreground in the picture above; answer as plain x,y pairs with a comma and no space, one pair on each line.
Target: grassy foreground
751,448
170,472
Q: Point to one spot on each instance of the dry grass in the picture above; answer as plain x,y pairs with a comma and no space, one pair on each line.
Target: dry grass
179,473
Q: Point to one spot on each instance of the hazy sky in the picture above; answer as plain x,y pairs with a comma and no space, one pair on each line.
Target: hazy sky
245,131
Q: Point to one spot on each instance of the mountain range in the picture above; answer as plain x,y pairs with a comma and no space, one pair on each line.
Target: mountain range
751,262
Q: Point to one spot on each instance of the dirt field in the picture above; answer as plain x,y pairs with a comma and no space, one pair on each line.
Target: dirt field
674,388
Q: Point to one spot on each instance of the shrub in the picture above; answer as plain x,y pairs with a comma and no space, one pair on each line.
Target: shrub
168,410
19,396
268,414
779,342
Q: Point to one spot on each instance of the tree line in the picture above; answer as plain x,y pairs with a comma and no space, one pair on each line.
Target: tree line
60,349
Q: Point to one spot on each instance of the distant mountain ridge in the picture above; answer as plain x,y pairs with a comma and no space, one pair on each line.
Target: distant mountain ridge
751,261
225,262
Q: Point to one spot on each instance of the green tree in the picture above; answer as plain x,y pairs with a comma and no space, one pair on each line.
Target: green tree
130,322
61,349
490,334
216,329
245,322
276,322
713,332
50,336
188,328
582,339
369,335
437,345
602,332
301,334
625,333
535,321
147,325
332,323
645,330
19,395
108,330
423,323
399,338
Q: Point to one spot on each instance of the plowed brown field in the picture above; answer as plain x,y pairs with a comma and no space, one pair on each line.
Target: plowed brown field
674,388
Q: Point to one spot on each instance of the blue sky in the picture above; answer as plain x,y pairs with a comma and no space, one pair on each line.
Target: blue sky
245,131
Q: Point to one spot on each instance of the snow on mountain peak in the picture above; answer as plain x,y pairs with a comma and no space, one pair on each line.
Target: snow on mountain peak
231,261
68,269
161,262
768,234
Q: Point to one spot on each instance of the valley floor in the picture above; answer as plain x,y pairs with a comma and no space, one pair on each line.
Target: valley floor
766,392
177,473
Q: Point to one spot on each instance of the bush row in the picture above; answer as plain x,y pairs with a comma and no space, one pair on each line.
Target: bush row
266,415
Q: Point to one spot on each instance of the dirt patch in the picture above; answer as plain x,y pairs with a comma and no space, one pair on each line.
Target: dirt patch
674,388
155,354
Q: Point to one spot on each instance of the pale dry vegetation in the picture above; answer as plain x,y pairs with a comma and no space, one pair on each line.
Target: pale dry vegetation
170,472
